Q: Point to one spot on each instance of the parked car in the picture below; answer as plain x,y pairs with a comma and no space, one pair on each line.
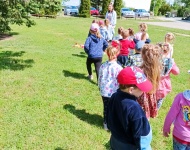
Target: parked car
94,11
71,10
141,13
127,12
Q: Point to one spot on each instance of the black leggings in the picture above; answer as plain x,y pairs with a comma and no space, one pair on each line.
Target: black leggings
105,106
97,63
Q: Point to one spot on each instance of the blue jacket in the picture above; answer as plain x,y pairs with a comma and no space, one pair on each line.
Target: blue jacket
127,121
95,46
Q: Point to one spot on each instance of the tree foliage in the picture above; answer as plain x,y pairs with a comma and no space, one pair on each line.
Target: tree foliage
18,11
155,6
164,8
105,6
117,6
84,10
97,3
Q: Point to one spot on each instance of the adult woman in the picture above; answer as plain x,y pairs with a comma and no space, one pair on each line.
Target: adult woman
111,16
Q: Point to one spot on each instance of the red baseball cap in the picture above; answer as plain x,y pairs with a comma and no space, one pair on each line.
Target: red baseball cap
134,75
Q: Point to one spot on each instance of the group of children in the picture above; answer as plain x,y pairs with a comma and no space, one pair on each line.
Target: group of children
133,85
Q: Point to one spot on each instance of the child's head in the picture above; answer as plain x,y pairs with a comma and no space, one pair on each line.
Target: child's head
125,33
166,48
101,23
95,21
133,81
94,29
120,29
143,27
169,37
139,45
112,52
106,22
131,32
152,64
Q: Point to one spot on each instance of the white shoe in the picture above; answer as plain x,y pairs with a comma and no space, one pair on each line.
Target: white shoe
105,126
90,77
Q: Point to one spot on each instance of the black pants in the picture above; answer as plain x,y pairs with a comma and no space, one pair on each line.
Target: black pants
97,63
105,106
122,60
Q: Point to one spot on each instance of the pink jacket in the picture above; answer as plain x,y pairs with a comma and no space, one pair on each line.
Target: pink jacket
179,114
165,82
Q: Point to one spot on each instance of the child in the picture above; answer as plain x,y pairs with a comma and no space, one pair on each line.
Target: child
169,38
103,30
130,129
143,29
119,31
125,45
169,66
136,59
131,37
179,115
94,47
109,30
151,55
108,78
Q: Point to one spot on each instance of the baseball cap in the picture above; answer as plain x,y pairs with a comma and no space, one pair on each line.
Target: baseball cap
94,27
134,75
139,45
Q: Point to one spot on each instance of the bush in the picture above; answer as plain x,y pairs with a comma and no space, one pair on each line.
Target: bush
84,10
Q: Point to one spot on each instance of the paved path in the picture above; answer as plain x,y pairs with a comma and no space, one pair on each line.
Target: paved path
173,23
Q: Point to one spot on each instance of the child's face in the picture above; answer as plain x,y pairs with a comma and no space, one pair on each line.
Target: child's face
136,92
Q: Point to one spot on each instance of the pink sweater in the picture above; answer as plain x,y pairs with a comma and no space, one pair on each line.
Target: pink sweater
179,113
165,86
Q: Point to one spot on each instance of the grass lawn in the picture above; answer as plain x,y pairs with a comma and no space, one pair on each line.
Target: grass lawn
46,101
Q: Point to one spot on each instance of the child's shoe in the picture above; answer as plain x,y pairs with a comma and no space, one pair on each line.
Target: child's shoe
105,126
90,77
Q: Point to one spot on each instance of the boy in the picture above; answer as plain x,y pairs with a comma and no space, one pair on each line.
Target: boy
136,59
130,129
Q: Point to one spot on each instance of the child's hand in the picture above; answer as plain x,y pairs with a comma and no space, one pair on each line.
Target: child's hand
166,134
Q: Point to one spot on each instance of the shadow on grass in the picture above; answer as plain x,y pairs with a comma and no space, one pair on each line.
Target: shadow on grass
92,119
82,55
107,145
7,35
10,60
59,148
77,75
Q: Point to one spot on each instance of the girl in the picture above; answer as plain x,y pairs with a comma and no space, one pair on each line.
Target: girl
125,45
103,30
111,16
131,37
169,66
169,38
151,65
119,31
179,114
94,47
108,78
143,29
109,30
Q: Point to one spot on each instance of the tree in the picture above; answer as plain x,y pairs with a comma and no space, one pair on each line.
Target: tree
14,12
84,10
186,2
155,6
164,8
96,3
117,6
105,6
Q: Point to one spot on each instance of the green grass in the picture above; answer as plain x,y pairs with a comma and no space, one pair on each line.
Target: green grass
46,101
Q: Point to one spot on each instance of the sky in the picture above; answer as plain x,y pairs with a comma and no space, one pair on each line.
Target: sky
138,4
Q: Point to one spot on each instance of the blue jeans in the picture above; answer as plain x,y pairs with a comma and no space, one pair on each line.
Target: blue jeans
179,146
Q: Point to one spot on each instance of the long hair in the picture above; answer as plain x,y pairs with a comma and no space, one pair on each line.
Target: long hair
107,23
152,65
143,36
112,52
143,27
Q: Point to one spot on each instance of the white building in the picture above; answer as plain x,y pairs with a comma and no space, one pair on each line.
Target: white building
138,4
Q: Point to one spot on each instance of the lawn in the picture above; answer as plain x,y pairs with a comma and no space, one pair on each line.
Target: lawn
46,100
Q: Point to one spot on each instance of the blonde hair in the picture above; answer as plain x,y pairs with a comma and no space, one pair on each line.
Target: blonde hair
169,37
112,52
125,33
152,65
165,47
97,33
131,32
143,27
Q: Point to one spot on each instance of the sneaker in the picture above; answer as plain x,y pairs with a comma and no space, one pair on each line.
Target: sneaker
90,77
105,126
